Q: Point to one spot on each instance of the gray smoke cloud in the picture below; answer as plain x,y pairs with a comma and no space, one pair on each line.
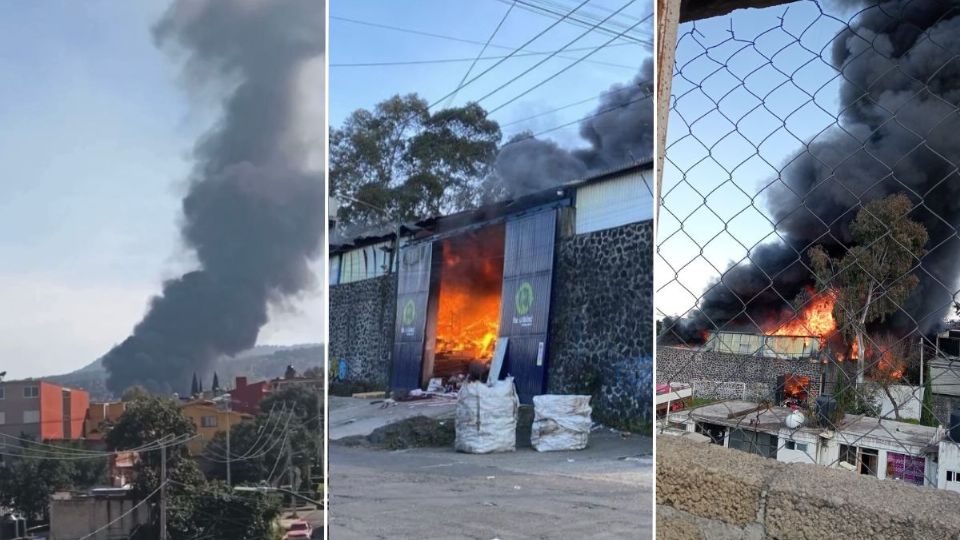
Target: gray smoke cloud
253,212
900,134
619,131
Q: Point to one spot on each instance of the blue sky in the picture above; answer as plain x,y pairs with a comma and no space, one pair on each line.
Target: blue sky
708,157
363,87
93,157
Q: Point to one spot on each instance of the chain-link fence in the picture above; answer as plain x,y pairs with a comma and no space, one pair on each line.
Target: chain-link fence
807,243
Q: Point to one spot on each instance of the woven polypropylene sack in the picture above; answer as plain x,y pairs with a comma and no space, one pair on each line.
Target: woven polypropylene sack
560,422
486,418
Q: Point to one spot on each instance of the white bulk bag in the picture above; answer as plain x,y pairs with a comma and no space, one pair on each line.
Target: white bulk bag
487,417
560,422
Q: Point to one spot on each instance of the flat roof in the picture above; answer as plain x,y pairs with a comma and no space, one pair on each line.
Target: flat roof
852,428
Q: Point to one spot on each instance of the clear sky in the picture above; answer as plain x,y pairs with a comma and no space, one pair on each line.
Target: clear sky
94,151
353,87
723,150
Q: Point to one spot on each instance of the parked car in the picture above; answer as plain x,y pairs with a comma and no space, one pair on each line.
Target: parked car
298,529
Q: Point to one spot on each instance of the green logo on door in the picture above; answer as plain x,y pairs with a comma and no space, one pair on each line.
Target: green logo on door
409,313
524,298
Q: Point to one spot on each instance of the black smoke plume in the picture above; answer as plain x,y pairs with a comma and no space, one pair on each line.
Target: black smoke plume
253,213
619,131
899,132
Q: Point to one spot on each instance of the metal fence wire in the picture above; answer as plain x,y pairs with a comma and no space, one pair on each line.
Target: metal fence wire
807,240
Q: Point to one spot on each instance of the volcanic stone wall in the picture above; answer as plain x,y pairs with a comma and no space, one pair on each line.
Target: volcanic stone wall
601,321
362,327
757,375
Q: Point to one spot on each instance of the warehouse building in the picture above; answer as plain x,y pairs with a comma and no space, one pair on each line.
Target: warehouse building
561,278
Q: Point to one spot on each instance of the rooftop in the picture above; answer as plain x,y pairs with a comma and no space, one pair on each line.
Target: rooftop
746,414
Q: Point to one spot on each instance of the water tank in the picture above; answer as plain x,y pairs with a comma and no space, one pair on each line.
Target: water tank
954,427
826,407
794,420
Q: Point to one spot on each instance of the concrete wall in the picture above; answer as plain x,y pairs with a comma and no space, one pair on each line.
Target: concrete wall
361,328
73,518
706,491
757,374
601,321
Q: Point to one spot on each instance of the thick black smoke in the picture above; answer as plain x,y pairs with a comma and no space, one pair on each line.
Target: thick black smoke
253,213
899,132
620,131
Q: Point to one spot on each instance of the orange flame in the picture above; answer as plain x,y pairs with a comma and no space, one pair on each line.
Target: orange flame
814,319
468,312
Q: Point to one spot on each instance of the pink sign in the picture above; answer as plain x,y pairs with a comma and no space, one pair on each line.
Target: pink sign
907,468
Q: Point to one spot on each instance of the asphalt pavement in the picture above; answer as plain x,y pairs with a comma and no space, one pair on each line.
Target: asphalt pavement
604,491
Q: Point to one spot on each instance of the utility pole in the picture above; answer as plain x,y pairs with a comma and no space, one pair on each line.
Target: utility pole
290,467
163,492
227,402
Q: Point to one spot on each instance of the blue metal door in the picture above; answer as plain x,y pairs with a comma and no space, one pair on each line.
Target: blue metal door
413,290
525,304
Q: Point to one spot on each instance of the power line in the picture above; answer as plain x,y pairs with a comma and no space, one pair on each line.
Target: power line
485,45
567,106
541,62
555,75
468,59
446,37
582,22
515,51
123,515
578,120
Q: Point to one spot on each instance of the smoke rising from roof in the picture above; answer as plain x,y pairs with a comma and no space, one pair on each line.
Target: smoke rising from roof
619,131
899,133
253,213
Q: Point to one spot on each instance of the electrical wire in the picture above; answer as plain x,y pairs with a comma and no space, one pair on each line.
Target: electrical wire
555,75
449,38
125,514
541,62
539,9
515,51
471,59
485,45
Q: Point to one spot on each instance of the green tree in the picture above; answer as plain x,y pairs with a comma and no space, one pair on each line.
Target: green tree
220,514
402,158
250,444
875,276
28,479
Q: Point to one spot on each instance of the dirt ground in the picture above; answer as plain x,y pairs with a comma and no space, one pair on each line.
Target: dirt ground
602,492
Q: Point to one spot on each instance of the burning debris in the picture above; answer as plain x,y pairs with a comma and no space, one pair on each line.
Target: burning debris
898,133
253,213
468,311
619,131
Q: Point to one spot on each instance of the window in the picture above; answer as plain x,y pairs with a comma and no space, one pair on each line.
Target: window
799,447
31,391
208,421
761,444
3,418
31,417
1,392
953,476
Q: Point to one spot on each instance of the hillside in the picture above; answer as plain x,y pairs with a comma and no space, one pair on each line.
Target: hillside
261,362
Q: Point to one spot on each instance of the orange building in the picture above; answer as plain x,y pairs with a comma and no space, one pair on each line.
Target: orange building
42,410
209,417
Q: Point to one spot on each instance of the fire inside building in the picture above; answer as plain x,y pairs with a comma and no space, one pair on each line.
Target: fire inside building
557,282
788,359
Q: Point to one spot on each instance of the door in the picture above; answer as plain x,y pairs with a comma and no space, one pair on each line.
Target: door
413,289
525,304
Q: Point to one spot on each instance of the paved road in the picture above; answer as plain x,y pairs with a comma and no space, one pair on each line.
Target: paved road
602,492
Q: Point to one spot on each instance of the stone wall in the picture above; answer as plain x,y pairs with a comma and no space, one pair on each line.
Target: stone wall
757,375
361,328
601,322
705,491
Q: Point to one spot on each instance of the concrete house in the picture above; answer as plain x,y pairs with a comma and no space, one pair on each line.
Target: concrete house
565,275
880,448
